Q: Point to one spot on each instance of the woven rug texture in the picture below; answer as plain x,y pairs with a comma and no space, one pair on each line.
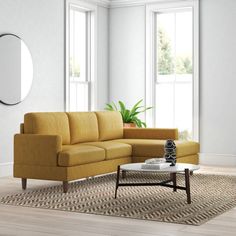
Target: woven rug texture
211,196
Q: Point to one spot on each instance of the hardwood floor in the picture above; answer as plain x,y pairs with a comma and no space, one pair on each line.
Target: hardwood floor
25,221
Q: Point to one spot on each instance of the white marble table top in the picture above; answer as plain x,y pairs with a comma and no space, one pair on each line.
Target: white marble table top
179,167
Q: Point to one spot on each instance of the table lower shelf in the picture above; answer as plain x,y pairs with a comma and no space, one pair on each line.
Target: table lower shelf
164,183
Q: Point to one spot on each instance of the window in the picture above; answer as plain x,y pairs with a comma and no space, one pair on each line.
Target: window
172,88
80,64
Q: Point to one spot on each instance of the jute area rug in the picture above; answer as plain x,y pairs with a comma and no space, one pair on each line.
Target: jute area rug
211,196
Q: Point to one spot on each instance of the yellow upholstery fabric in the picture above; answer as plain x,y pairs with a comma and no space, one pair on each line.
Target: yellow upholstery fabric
83,127
98,168
68,173
155,148
22,128
114,149
192,159
185,148
110,125
36,149
53,123
70,146
150,133
145,147
40,172
80,154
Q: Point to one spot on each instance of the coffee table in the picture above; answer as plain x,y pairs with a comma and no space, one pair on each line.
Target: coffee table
172,170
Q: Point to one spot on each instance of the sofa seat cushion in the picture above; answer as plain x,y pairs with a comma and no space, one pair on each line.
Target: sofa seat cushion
72,155
155,148
145,147
114,149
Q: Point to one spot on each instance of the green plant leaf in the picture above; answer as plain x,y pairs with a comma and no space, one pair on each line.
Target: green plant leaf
135,107
109,107
122,106
148,108
135,114
126,118
145,109
115,107
129,116
136,111
137,121
144,124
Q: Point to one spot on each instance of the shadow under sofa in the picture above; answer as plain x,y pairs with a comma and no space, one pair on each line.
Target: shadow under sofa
65,146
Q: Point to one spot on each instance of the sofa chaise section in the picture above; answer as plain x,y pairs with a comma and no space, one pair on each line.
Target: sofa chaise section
149,142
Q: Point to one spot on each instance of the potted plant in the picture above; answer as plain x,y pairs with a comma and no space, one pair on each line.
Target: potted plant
129,116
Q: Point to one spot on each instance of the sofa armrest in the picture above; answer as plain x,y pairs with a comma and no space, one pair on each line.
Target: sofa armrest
35,149
150,133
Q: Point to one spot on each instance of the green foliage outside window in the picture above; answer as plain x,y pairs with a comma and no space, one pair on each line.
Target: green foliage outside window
183,65
166,62
185,135
165,58
74,68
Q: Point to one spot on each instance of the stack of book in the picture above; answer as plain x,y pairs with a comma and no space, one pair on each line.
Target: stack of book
155,164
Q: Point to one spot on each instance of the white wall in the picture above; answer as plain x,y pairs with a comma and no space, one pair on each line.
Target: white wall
40,23
102,59
127,54
218,76
217,70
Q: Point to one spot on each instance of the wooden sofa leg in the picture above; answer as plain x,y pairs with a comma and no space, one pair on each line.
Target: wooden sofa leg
24,183
65,186
191,172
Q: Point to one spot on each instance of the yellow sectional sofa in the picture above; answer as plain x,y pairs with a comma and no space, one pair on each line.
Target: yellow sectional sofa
66,146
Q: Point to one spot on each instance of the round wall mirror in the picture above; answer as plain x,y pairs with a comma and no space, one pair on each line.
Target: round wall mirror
16,68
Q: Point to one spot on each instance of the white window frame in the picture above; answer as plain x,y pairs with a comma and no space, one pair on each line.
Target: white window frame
91,50
151,11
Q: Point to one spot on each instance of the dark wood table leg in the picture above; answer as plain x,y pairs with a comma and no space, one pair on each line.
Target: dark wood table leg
24,183
123,174
173,177
65,185
187,184
117,180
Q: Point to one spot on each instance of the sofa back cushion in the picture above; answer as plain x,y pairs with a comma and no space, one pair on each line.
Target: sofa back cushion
52,123
110,125
83,127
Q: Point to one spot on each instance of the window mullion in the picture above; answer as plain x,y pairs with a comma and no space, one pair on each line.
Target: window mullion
88,49
73,46
174,83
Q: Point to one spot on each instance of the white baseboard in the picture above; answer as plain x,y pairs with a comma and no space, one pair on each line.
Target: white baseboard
6,169
213,159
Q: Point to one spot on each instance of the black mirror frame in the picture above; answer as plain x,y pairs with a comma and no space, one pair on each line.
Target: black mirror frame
2,35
